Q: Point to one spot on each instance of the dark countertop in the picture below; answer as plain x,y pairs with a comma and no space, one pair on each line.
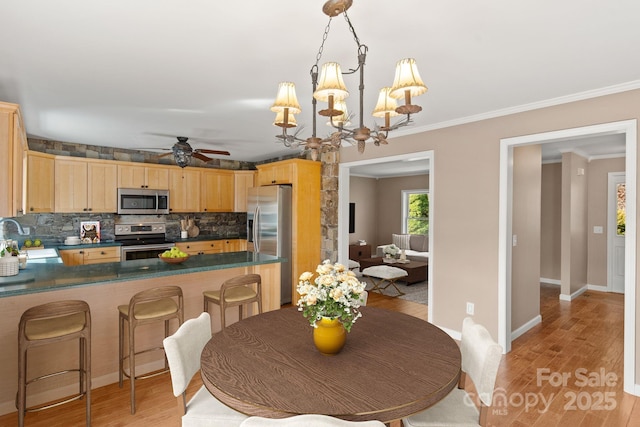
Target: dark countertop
51,277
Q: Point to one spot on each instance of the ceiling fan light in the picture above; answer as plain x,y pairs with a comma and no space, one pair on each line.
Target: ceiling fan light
289,123
331,83
182,158
342,119
385,104
286,98
407,79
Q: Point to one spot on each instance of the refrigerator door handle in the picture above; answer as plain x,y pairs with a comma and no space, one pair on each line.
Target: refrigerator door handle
256,229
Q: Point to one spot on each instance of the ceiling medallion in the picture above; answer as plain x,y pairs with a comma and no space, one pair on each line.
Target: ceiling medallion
330,88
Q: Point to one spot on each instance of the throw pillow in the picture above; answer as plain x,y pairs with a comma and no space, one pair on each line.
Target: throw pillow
401,240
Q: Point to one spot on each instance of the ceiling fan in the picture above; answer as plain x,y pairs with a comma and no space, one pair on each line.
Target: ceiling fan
182,152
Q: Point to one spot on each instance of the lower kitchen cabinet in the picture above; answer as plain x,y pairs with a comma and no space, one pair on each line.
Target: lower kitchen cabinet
90,255
212,246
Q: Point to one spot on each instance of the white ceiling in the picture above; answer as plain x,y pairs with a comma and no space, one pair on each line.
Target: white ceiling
134,74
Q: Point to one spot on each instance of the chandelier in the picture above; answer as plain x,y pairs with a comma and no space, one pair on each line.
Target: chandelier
330,88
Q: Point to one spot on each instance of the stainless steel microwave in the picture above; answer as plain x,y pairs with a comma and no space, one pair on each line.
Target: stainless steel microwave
143,201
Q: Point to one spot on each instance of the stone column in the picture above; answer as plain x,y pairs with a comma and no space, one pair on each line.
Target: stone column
329,204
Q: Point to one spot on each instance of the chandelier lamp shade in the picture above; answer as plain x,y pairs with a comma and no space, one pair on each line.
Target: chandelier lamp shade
330,88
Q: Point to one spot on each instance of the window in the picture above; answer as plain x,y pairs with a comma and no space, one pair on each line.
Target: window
621,209
415,211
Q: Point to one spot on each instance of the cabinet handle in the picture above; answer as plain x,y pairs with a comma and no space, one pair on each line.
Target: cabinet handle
31,208
103,253
81,252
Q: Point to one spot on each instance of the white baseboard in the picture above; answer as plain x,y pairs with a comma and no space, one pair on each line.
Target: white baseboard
524,328
574,295
456,335
598,288
550,281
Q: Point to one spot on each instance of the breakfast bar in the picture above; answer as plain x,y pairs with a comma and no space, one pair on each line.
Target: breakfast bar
104,287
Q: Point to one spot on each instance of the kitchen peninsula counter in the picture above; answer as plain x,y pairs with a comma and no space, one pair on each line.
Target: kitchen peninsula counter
104,287
52,277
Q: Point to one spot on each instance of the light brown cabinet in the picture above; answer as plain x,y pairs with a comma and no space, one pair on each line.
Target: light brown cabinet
13,145
140,176
204,247
90,255
83,185
184,190
217,190
243,180
40,174
276,173
304,177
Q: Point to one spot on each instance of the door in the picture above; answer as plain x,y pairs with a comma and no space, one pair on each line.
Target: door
616,231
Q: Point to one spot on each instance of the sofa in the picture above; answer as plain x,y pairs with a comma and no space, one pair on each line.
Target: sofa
416,246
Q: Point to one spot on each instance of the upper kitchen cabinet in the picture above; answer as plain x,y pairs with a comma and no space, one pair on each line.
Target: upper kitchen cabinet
40,173
276,173
138,176
85,185
13,143
184,190
243,180
217,190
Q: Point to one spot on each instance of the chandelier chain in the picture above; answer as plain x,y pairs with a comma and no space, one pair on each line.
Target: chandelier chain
321,48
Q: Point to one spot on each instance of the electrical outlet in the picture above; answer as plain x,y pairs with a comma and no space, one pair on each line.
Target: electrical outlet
26,230
470,308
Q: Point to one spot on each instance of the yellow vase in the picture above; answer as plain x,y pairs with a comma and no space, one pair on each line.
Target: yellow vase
329,336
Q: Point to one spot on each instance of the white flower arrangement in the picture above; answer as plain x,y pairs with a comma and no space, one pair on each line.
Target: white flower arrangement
391,250
335,293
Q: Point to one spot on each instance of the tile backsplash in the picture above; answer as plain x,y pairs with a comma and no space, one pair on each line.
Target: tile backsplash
55,228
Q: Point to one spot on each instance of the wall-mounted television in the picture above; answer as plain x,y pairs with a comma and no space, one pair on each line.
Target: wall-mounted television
352,218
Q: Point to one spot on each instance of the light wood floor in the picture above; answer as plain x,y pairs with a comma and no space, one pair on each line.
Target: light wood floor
586,333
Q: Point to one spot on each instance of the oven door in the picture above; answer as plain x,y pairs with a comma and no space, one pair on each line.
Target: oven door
130,253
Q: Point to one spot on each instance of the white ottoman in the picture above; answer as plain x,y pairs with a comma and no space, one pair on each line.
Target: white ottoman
383,276
353,264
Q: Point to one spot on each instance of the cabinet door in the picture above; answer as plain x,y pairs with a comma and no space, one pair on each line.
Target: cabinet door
201,247
72,257
157,178
184,190
19,159
12,146
275,173
243,180
101,255
40,176
70,185
131,176
217,191
102,195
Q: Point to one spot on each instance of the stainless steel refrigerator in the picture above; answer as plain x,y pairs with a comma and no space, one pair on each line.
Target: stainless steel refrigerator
269,228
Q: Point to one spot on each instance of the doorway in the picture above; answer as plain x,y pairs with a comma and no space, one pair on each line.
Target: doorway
628,128
343,209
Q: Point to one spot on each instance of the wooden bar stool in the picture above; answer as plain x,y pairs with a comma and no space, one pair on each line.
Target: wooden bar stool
236,291
47,324
153,305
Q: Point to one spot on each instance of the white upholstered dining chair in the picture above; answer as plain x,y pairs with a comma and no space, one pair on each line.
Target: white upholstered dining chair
307,420
183,350
481,357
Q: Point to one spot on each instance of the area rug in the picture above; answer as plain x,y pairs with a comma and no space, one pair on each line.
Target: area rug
418,292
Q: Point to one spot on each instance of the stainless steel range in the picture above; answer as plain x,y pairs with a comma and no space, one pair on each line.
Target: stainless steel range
142,240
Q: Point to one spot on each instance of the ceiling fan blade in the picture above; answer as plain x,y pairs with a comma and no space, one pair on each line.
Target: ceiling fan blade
201,157
222,153
166,154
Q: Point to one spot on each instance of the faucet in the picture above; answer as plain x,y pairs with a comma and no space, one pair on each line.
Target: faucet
21,231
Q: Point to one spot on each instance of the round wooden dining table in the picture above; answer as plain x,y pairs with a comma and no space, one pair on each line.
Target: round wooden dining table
392,365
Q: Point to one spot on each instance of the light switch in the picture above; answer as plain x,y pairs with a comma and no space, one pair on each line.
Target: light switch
597,229
514,240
